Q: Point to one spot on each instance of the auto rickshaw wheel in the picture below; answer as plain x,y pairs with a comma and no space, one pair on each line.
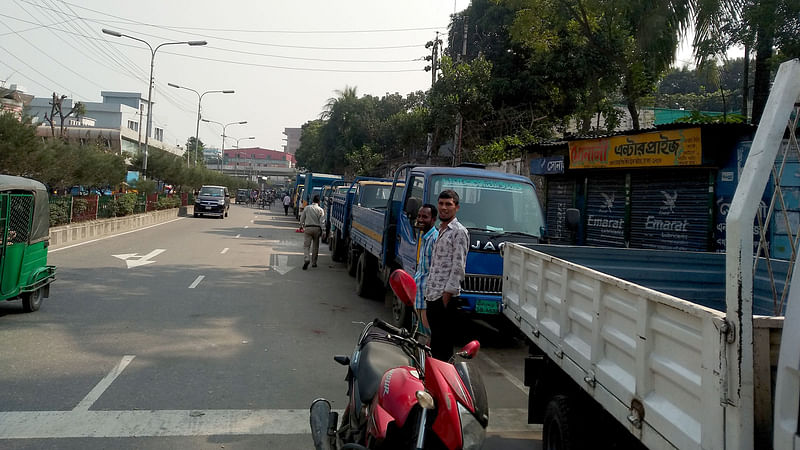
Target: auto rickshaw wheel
32,301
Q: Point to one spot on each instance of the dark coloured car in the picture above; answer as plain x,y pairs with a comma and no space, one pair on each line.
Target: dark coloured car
212,201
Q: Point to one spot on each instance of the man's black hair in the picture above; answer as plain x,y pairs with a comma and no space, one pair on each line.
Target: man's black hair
451,194
432,208
315,199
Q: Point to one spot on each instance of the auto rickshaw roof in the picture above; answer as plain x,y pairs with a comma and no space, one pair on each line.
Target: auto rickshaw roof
12,183
41,203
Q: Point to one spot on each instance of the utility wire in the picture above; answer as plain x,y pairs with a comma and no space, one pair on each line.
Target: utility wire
238,41
25,76
229,30
66,89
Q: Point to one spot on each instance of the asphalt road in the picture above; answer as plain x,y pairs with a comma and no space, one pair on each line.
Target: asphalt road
200,333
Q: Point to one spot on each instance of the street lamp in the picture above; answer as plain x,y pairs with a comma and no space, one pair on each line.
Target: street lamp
197,129
224,126
150,87
237,148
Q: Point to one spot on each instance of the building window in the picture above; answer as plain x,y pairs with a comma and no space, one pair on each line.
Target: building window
159,134
133,125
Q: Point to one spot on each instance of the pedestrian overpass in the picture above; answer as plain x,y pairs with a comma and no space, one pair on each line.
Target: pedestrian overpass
254,172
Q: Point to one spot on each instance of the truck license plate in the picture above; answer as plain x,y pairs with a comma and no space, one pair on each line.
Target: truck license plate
487,307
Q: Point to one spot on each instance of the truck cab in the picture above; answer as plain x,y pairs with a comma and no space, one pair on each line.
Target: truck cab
494,207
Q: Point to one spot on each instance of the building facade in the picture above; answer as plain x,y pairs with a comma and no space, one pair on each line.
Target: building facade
118,122
292,140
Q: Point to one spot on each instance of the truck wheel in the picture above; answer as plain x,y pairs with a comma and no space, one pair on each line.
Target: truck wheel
562,428
32,301
363,278
401,314
352,262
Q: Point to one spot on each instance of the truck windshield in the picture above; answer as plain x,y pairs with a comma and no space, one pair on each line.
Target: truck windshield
492,204
375,196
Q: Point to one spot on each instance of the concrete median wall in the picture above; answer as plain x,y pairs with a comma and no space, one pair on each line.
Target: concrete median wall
84,231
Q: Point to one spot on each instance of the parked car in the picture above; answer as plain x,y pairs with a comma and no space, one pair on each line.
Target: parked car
212,201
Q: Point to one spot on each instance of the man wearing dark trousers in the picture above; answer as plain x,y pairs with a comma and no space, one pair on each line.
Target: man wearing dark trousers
448,264
312,221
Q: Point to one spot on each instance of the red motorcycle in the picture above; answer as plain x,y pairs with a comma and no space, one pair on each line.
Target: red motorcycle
400,397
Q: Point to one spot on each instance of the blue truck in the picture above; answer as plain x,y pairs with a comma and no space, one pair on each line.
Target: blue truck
312,185
494,207
363,191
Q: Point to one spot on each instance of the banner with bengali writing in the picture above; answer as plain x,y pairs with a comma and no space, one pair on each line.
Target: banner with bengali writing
659,148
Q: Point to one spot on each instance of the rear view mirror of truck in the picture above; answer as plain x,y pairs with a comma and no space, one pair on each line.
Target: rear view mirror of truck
573,218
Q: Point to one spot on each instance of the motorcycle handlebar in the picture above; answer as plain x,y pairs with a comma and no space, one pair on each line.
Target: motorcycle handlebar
389,327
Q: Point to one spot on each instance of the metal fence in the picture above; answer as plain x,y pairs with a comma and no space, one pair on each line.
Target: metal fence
68,209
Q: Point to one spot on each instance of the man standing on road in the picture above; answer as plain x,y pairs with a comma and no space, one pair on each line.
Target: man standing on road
286,202
312,219
426,219
448,264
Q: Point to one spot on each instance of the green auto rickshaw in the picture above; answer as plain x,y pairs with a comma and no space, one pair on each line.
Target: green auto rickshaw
25,236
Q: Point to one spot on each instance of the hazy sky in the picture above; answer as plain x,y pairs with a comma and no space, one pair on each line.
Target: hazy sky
284,59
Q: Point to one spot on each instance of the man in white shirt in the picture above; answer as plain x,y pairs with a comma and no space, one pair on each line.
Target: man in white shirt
286,202
312,220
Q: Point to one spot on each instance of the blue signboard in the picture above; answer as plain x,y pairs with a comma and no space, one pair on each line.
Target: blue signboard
550,165
133,176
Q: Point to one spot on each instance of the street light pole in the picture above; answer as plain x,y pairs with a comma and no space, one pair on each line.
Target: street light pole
224,126
199,102
150,86
237,148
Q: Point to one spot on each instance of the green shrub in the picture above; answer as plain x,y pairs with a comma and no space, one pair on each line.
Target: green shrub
124,204
59,214
168,202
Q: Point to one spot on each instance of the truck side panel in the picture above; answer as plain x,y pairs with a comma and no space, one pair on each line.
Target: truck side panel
366,229
639,353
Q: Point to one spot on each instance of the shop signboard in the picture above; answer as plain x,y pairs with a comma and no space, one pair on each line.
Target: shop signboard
657,149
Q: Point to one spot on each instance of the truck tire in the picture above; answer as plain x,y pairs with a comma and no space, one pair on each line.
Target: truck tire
352,262
32,301
364,278
563,428
401,314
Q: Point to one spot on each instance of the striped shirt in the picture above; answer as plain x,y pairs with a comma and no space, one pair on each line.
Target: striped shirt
448,262
424,264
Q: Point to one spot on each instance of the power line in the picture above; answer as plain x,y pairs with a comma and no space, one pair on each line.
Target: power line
229,30
238,41
66,89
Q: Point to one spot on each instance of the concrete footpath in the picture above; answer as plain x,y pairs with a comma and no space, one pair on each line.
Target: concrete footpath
83,231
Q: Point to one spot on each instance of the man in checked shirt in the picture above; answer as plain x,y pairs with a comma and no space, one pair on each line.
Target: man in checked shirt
443,287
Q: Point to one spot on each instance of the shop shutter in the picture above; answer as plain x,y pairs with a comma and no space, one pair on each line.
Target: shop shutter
670,210
560,197
605,210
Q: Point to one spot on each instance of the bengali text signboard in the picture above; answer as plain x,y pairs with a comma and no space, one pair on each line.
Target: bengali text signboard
660,148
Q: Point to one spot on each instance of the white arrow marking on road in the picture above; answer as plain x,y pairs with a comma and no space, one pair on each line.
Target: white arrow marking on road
283,264
132,260
237,236
224,250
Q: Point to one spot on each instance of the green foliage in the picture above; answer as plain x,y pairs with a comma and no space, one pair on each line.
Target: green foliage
146,186
125,204
700,118
363,160
59,213
168,202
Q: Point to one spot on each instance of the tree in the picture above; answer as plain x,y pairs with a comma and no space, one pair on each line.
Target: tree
78,109
195,156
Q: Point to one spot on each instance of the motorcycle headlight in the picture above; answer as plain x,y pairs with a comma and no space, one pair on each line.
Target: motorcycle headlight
472,432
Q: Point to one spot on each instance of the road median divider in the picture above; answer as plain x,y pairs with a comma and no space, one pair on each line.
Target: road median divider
83,231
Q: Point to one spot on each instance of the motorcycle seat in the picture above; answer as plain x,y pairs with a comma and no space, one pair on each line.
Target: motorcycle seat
377,358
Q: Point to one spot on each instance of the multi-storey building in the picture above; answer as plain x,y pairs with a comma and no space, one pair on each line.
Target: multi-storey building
292,140
118,122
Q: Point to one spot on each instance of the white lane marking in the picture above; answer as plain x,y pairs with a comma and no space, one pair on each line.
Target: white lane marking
112,236
196,281
506,374
238,236
246,227
224,250
109,424
101,387
133,260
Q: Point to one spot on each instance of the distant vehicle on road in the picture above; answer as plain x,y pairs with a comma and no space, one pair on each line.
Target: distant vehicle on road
212,201
242,195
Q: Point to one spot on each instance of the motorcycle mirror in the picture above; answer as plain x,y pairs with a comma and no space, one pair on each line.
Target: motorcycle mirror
470,350
403,286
